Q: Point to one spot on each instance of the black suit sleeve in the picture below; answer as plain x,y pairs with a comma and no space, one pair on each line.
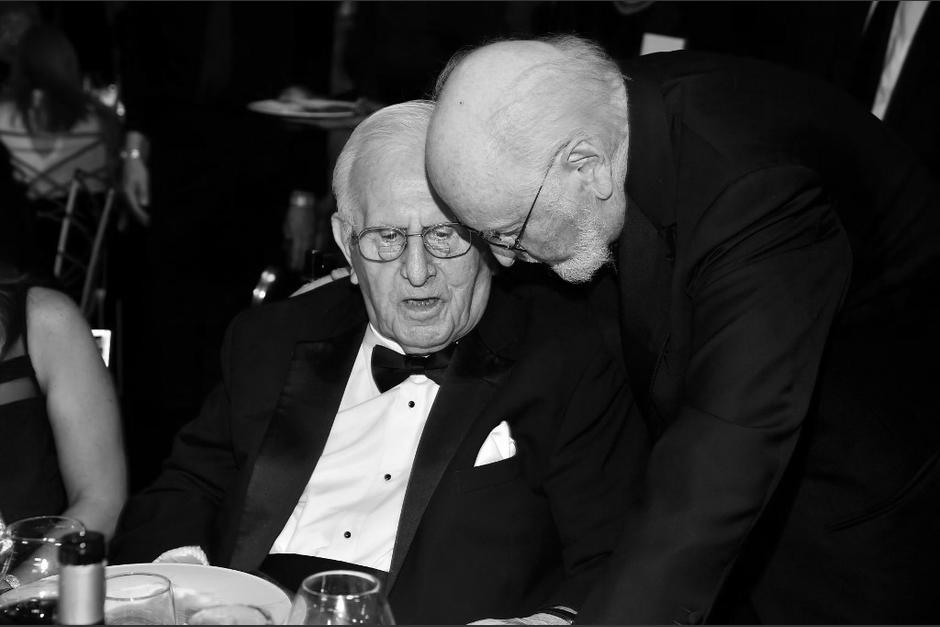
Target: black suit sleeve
594,468
179,508
763,298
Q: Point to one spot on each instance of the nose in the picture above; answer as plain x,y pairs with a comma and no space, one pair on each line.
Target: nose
418,265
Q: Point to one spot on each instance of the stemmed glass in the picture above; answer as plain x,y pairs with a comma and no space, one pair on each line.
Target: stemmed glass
139,599
5,544
29,547
234,614
340,597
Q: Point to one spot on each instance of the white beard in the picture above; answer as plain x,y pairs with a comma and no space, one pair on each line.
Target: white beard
591,252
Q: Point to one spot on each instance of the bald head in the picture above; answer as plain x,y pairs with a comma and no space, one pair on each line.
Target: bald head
506,111
469,144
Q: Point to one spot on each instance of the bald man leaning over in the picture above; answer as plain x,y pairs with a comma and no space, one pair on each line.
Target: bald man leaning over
777,252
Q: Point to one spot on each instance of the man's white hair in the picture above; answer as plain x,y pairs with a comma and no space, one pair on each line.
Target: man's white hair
396,130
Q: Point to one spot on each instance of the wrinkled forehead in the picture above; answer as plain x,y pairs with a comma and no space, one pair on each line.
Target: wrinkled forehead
481,185
393,189
477,149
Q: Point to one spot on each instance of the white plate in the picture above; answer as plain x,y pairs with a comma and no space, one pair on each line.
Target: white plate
309,108
196,586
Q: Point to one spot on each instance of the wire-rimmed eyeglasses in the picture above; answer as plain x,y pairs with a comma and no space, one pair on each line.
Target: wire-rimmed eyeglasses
495,238
387,243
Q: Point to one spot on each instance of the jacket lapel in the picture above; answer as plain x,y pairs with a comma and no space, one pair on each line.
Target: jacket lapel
647,242
295,438
480,364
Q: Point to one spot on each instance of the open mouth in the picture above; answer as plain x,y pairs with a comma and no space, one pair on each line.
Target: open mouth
421,304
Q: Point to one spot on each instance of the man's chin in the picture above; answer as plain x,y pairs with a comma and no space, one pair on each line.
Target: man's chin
583,267
424,343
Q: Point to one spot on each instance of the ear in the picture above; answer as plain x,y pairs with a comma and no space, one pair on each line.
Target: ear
588,161
341,237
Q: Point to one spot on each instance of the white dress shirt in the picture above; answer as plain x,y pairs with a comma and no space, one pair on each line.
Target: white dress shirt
907,19
350,508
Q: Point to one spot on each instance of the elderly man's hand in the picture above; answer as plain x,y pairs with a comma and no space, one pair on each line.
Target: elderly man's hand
542,618
183,555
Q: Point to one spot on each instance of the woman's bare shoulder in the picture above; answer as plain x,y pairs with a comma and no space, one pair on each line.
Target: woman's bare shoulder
51,314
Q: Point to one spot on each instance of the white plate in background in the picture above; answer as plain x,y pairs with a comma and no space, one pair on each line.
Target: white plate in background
310,108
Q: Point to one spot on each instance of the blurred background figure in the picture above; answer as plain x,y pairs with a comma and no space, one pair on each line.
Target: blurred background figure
60,430
210,180
15,19
15,223
50,129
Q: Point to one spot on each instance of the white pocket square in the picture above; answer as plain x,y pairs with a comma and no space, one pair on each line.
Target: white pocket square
498,446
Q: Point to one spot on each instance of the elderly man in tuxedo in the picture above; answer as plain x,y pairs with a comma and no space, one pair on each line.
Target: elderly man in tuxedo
779,256
415,419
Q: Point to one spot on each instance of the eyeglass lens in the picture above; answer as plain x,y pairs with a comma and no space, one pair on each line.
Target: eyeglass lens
388,243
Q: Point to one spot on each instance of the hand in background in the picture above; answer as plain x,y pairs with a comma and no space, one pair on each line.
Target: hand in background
136,187
135,177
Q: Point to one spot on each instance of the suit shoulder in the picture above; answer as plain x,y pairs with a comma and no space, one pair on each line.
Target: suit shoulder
270,331
299,314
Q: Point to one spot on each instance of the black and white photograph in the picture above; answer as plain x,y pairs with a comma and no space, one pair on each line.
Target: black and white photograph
494,312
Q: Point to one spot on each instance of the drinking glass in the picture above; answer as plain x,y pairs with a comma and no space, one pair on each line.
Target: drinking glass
30,547
235,614
139,599
340,597
5,543
31,604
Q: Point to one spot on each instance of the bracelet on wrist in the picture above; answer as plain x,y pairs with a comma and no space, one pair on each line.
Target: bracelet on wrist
131,153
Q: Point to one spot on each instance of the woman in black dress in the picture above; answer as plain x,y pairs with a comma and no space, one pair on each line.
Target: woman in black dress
61,448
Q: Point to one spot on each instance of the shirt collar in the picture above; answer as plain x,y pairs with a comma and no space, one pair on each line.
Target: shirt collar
373,337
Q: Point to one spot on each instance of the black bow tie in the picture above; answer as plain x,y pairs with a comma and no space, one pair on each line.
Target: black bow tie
389,368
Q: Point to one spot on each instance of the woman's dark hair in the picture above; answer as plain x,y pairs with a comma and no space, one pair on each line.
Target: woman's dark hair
46,61
13,288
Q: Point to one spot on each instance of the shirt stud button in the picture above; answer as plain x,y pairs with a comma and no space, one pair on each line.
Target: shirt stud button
347,535
411,403
388,477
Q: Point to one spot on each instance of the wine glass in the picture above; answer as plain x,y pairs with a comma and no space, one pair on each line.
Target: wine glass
233,614
139,599
340,597
5,544
30,547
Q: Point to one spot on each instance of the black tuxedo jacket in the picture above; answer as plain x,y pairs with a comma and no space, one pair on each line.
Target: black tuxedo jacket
778,271
498,540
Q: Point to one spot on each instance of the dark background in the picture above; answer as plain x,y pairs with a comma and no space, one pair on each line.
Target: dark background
221,176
